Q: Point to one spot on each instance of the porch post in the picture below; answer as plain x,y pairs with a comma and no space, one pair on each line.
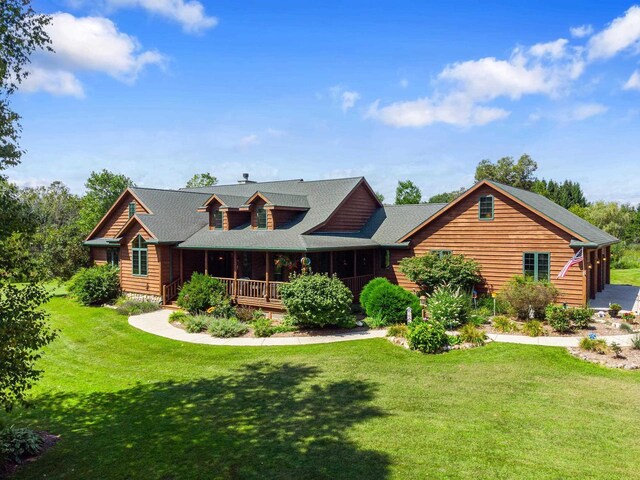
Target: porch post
355,262
206,262
235,274
607,258
181,270
331,263
267,269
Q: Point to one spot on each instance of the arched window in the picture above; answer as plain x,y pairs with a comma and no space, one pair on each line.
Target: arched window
139,256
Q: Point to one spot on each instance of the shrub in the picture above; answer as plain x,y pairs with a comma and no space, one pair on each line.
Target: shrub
471,334
226,327
221,306
427,337
558,318
200,293
317,300
635,342
504,324
196,323
178,316
399,330
629,317
478,320
485,303
387,301
593,345
135,307
533,328
522,293
95,285
370,287
580,317
616,349
614,309
432,270
17,443
626,327
246,314
262,327
448,307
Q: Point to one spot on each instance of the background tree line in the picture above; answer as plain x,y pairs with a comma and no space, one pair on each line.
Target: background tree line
619,219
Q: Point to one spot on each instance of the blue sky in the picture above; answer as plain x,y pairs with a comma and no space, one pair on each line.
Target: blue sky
162,89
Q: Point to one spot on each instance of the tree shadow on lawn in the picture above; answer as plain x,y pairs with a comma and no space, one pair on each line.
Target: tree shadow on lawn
262,421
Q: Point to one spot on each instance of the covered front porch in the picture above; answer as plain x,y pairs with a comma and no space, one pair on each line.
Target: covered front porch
253,277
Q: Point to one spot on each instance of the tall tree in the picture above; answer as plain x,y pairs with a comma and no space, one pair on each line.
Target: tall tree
103,188
447,197
611,217
407,193
519,174
22,32
380,197
566,194
202,180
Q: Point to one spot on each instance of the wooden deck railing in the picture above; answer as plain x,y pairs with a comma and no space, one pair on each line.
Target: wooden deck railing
356,284
170,291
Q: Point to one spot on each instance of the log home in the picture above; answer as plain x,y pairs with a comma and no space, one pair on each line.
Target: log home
252,236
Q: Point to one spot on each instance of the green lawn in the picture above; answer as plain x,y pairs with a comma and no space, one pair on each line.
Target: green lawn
629,276
131,405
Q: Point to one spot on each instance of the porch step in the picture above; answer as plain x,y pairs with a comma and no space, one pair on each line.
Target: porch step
171,306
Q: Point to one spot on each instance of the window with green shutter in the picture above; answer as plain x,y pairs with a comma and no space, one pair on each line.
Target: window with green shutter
536,265
113,256
139,257
261,215
132,209
485,207
217,219
442,253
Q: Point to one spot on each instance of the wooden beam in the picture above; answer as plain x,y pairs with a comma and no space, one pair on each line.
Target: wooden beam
235,274
181,269
206,262
355,263
331,263
267,269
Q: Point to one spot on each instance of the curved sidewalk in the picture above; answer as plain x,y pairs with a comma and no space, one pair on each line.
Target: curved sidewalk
157,323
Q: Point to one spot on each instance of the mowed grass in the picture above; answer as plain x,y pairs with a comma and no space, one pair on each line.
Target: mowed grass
131,405
629,276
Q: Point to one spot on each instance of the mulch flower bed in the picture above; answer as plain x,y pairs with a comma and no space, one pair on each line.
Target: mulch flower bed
629,358
48,441
598,327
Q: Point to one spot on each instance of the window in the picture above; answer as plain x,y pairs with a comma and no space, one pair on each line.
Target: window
139,256
485,207
113,256
442,253
536,265
261,215
132,209
217,219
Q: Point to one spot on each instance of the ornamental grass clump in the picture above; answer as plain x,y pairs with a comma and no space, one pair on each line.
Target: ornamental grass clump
597,345
226,327
533,328
504,324
449,306
469,333
317,300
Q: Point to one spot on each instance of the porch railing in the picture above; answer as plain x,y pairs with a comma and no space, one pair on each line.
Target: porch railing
356,284
170,291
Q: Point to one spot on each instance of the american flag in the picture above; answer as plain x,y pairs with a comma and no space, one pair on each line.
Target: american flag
576,259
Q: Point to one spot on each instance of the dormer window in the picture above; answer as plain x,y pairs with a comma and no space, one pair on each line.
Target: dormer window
217,219
261,217
485,207
132,209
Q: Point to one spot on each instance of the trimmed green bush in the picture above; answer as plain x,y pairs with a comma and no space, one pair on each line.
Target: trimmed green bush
370,287
522,293
580,317
226,327
317,300
432,270
427,337
558,318
387,303
201,293
449,307
95,285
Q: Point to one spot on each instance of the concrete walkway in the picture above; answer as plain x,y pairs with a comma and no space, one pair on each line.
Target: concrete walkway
157,323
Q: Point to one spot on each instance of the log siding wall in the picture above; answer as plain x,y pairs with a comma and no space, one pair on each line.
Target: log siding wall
353,213
119,217
498,245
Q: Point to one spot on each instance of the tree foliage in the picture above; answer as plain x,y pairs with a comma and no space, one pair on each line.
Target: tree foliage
407,193
102,190
23,333
566,194
432,270
22,32
506,170
611,217
201,180
447,197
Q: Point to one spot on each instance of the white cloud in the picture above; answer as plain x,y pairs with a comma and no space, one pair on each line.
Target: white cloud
622,33
275,133
349,99
404,83
555,49
634,81
188,13
581,31
248,141
584,111
55,82
87,44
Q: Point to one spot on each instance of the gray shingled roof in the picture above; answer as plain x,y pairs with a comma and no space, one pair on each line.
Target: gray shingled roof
389,224
564,217
231,201
285,199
